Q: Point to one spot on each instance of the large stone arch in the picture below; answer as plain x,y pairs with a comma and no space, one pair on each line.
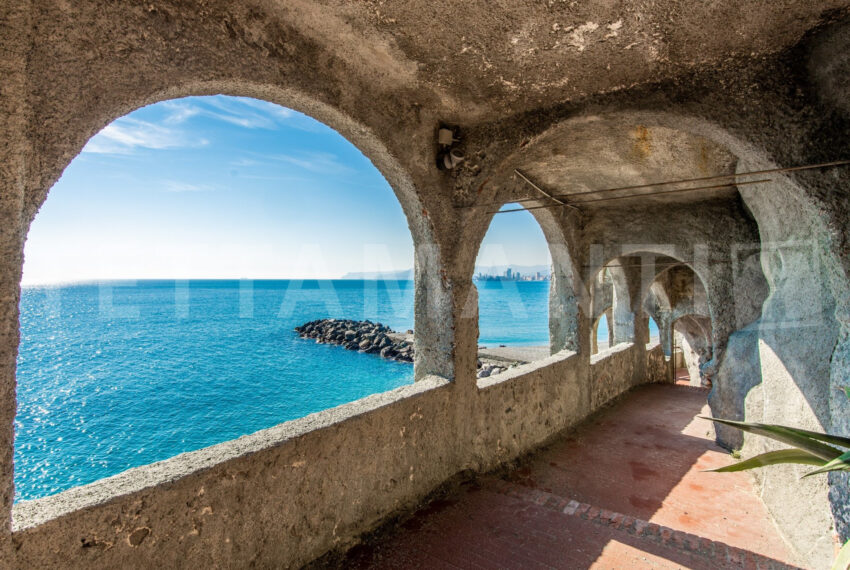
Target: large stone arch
564,328
694,332
433,304
762,361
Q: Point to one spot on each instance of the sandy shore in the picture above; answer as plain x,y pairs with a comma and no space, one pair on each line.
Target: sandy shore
508,354
520,354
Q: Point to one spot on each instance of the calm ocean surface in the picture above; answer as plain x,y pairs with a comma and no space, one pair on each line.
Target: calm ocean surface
116,375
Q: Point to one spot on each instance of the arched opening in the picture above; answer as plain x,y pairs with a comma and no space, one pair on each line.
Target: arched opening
692,349
610,298
513,272
165,276
652,331
602,334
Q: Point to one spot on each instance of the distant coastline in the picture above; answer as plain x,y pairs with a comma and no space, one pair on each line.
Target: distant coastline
481,273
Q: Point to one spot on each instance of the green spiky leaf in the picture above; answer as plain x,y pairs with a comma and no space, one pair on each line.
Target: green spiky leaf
825,437
841,463
842,561
773,458
801,439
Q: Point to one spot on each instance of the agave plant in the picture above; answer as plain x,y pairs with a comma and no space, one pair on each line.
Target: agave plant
822,450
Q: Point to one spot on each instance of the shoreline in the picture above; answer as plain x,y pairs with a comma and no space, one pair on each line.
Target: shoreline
375,338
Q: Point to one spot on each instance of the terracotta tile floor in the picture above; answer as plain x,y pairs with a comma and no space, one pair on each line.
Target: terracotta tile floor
625,490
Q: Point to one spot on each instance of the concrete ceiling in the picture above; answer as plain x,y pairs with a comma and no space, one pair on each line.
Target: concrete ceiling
578,159
489,55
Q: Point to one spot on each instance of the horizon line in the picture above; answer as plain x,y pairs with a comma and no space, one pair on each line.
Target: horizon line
96,280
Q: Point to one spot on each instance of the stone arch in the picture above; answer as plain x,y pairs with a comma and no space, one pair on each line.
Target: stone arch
693,333
433,304
607,314
757,357
618,296
564,307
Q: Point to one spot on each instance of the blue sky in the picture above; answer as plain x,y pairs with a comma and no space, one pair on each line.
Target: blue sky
230,187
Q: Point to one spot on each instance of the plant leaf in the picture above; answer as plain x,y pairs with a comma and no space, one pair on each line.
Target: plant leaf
842,561
826,437
801,439
841,463
773,458
846,390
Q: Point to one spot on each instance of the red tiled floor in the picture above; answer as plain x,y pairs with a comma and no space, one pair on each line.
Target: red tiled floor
645,458
584,501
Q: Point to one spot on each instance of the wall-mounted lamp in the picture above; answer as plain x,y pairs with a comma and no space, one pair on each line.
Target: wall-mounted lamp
448,157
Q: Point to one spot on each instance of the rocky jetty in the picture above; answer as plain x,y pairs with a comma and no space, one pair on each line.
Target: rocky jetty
375,338
362,336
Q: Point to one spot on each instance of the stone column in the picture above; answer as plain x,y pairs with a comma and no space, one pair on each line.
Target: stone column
434,312
14,46
665,332
622,319
564,305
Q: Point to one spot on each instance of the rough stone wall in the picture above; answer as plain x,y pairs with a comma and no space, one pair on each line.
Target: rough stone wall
277,498
612,372
14,152
692,334
286,495
651,93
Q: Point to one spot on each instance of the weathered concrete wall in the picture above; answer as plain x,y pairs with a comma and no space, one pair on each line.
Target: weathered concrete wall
658,369
14,151
285,495
279,497
612,372
676,100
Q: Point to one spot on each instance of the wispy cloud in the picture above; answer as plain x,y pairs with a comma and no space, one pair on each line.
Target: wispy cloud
313,161
239,111
245,162
320,162
176,186
126,135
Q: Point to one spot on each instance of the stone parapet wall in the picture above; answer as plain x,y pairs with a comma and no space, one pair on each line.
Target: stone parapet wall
285,495
679,98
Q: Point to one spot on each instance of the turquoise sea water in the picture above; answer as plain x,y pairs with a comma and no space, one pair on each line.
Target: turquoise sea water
116,375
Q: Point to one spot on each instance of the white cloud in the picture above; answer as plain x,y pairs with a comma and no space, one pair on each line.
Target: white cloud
245,162
240,111
175,186
126,135
321,162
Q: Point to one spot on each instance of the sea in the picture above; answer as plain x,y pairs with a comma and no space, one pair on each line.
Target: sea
118,374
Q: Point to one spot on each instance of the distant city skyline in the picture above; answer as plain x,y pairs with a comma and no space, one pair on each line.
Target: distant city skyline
510,274
228,188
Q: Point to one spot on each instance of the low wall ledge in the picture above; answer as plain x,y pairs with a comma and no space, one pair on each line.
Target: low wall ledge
28,514
616,349
525,369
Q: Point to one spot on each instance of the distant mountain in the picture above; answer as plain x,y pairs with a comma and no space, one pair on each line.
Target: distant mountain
407,274
404,275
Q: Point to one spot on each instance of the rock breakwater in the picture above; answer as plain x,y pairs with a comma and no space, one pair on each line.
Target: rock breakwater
375,338
362,336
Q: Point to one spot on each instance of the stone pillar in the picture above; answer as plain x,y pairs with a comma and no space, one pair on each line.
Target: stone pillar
622,320
14,45
434,311
665,332
465,336
564,306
